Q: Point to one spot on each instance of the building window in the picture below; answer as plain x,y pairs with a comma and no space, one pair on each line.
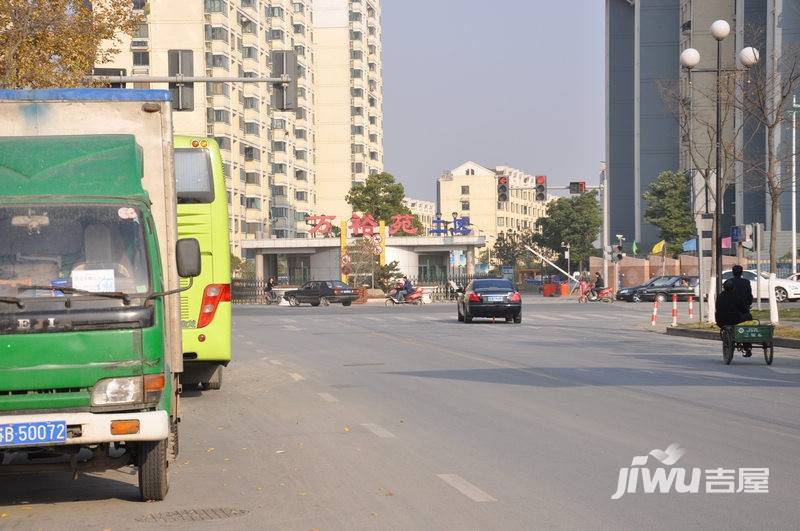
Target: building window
357,148
219,116
278,168
299,7
357,92
275,11
217,61
357,111
372,49
216,33
301,175
465,205
301,196
252,177
279,191
373,120
138,5
299,29
373,137
279,145
249,52
141,58
252,128
356,35
300,134
275,35
357,129
355,16
248,26
373,155
252,202
217,89
465,190
300,50
215,6
356,73
300,113
224,142
300,154
356,55
250,153
357,167
278,123
141,32
250,103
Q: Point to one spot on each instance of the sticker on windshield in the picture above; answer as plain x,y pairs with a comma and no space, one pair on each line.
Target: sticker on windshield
141,289
98,280
127,213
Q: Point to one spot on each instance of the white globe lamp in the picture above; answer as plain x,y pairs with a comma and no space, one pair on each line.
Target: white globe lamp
690,58
749,57
720,29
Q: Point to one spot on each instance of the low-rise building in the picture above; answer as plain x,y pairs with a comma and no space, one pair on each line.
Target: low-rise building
470,190
424,210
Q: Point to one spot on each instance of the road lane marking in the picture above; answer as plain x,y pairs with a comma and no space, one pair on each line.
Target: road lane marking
291,328
296,377
275,362
375,319
546,317
327,397
466,488
576,317
380,431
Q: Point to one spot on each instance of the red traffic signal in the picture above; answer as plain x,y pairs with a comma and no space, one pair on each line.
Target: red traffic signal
502,189
541,188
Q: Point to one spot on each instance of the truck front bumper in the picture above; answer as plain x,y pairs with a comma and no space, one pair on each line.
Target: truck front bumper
95,428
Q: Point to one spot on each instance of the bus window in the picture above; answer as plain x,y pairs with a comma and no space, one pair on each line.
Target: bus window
193,177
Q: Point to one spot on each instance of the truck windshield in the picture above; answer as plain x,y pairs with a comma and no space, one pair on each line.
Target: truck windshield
81,248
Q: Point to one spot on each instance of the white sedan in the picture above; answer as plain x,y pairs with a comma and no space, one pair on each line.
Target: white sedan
785,289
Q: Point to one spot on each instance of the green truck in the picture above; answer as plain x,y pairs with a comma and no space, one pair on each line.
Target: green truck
90,263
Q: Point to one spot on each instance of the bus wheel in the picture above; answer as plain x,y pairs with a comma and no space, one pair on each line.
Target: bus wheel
153,480
215,382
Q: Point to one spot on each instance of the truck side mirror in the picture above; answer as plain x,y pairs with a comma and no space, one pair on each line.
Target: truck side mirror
187,252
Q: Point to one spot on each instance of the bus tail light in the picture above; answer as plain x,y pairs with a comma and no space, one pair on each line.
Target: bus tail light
212,296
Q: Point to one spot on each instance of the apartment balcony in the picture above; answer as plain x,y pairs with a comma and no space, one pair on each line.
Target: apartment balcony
281,157
251,39
217,46
252,165
220,129
219,101
253,215
216,19
252,190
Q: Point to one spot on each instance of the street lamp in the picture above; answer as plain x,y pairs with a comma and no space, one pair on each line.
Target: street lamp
689,59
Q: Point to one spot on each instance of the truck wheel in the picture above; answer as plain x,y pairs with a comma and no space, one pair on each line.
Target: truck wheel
153,480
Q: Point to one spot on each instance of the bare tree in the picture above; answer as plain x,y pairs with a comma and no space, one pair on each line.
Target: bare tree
694,107
764,97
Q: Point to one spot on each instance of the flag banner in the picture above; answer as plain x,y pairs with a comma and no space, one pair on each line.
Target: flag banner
726,243
658,248
634,249
690,245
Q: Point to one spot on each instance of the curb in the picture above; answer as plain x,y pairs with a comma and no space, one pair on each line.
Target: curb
714,336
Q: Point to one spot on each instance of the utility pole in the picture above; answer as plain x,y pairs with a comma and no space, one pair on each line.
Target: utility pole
566,255
605,240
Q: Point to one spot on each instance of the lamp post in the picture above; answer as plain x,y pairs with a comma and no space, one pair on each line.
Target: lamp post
690,58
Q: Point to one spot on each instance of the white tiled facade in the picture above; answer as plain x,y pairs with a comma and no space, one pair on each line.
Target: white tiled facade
274,173
424,210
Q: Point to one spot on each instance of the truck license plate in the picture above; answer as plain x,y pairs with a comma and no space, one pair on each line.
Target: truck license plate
33,433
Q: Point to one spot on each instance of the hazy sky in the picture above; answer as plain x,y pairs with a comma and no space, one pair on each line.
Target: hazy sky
516,82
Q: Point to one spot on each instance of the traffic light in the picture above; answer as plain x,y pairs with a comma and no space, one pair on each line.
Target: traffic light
502,189
284,95
617,254
577,187
541,188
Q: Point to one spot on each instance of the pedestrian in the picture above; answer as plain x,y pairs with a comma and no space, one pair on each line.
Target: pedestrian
621,279
730,309
744,292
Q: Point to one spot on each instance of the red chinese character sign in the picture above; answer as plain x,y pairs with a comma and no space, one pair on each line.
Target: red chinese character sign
321,224
402,223
363,226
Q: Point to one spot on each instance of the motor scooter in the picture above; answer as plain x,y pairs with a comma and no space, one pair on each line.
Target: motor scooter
414,297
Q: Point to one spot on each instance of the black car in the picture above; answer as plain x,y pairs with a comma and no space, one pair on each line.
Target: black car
665,287
323,292
489,297
632,294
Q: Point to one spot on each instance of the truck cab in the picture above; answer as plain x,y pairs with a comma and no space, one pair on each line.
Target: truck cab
89,268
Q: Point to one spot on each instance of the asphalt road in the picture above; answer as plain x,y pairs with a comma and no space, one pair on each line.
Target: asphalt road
403,418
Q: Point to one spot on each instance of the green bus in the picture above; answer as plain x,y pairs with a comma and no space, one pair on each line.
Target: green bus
206,307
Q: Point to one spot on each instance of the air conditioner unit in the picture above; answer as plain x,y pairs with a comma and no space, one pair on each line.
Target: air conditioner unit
140,43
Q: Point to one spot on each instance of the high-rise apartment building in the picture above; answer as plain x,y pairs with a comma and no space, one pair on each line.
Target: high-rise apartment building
644,136
349,104
279,166
470,190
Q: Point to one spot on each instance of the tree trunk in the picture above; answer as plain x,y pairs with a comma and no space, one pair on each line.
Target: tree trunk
773,233
775,190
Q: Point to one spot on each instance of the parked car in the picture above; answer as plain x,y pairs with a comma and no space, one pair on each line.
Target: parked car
489,297
323,292
785,289
663,288
631,294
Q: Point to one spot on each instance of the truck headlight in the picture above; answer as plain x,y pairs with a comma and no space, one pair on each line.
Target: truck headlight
112,391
